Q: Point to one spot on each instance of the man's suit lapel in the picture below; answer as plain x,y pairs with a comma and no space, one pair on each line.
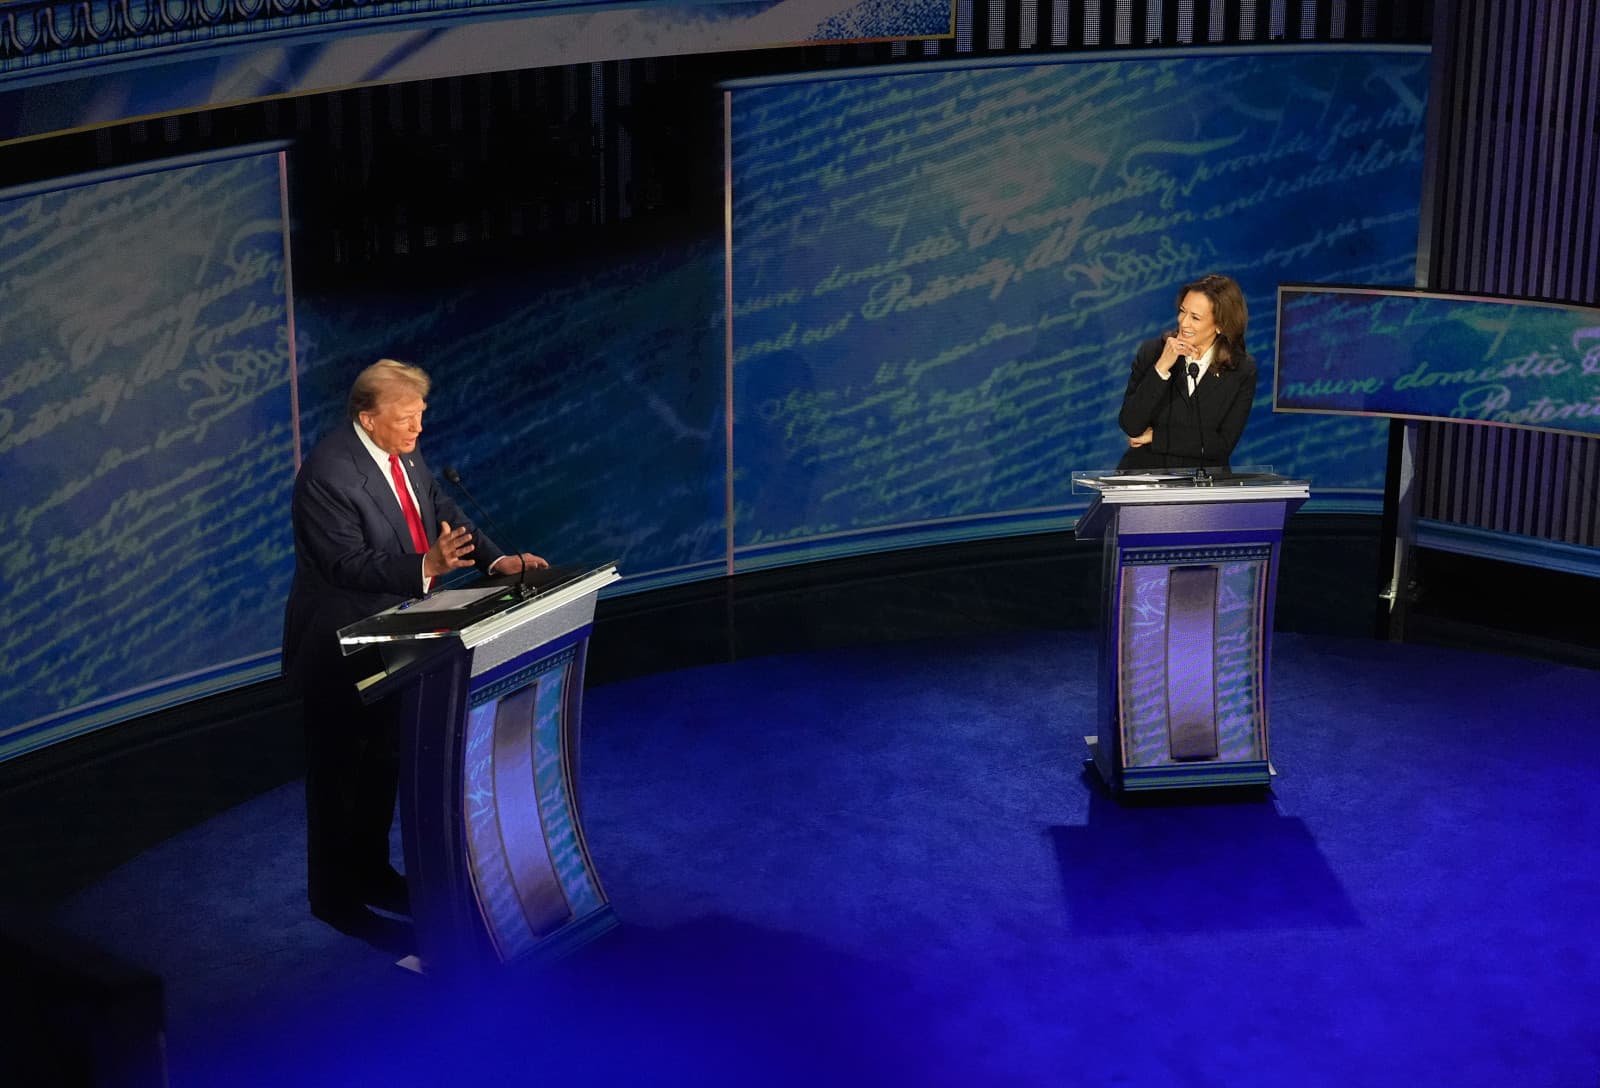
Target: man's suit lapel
380,493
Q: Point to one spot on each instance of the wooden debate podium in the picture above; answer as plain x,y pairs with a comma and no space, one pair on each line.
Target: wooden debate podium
490,680
1189,572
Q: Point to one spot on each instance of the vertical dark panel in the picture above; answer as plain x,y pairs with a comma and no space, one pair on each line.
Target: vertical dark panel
1552,64
978,14
1517,449
1580,230
1523,275
1540,505
622,107
1046,24
1452,60
1586,194
1107,23
1513,159
1512,212
1370,20
1505,97
1580,528
1560,177
1169,22
1076,11
1291,20
1427,488
1564,500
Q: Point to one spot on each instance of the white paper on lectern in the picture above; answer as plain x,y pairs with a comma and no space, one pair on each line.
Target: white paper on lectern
445,600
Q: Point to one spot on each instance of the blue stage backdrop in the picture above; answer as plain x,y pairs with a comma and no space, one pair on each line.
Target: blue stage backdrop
146,440
582,404
940,277
1417,355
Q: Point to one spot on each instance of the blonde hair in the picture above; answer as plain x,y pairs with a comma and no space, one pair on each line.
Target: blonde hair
383,377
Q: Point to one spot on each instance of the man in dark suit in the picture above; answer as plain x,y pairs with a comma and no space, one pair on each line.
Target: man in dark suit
1189,393
372,528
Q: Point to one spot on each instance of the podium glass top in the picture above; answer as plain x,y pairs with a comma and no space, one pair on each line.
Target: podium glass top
446,612
1237,490
1158,484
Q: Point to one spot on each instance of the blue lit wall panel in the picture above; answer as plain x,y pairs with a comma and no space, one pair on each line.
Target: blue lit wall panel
940,277
1447,357
582,405
146,441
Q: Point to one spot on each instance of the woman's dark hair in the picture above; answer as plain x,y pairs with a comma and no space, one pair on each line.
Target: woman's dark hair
1229,312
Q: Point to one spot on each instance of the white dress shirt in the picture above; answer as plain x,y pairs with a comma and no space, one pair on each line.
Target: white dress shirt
1205,364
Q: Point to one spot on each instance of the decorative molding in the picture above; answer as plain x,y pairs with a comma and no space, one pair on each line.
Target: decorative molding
64,38
36,35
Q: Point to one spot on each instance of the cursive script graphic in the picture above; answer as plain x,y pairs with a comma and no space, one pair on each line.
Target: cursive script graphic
145,434
583,404
985,249
1417,355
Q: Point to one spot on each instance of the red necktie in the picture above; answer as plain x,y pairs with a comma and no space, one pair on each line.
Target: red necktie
419,539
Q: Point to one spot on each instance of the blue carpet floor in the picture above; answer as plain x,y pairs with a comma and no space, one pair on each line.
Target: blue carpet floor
887,865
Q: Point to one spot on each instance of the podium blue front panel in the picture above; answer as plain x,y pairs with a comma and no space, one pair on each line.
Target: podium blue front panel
1235,654
941,274
530,870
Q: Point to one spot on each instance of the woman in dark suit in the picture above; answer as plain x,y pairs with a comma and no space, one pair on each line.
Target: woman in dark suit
1190,392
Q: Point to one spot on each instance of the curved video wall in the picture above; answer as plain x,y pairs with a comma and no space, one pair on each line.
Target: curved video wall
581,404
1428,355
940,279
146,440
939,276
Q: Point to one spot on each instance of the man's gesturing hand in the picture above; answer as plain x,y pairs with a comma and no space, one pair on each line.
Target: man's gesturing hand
451,551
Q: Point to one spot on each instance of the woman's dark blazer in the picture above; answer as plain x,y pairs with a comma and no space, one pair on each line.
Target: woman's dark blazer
1189,432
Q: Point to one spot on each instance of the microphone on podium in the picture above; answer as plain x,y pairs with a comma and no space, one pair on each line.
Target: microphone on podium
1202,477
449,473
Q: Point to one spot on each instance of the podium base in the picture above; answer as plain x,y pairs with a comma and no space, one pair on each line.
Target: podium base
1179,776
553,946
